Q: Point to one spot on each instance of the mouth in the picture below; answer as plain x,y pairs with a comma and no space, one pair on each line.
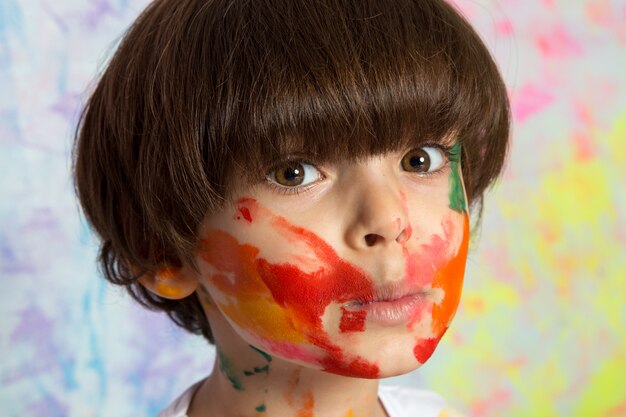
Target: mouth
394,305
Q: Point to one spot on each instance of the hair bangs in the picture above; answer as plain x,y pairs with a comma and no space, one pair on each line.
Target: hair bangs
388,78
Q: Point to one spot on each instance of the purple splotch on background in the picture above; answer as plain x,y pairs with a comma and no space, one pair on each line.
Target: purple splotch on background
544,295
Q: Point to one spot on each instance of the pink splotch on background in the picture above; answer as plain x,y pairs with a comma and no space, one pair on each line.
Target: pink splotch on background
557,42
504,27
81,347
530,99
493,404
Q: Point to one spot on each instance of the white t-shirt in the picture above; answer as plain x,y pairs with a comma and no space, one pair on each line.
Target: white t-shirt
398,402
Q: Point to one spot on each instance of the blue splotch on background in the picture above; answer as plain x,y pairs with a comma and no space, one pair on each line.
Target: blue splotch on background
544,294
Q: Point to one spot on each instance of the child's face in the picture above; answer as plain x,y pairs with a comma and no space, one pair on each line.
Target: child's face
355,268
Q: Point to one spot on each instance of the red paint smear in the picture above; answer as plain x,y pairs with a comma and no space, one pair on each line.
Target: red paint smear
352,321
425,348
336,362
308,295
246,214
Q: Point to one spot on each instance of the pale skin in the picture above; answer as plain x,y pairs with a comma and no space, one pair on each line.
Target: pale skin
281,350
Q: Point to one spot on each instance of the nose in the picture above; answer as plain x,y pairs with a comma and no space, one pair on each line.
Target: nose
381,216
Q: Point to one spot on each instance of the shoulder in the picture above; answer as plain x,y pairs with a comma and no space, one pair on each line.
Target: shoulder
409,402
179,407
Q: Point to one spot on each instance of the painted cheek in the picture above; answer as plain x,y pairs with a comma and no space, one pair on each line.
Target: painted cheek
279,302
450,276
246,299
447,275
450,279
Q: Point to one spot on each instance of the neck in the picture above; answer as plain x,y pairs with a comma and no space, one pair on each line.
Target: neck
249,382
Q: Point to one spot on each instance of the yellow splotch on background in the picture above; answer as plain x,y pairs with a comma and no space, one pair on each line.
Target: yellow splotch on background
540,330
604,393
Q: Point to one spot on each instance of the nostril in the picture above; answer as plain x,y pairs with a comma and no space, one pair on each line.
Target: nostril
405,234
370,239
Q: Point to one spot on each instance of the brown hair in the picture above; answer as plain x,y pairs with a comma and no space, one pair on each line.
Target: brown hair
199,87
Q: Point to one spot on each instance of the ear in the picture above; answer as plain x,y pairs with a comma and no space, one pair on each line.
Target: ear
172,283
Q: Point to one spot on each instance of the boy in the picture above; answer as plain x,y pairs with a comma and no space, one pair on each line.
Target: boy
292,180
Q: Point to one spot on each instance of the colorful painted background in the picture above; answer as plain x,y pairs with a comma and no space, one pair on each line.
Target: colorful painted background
542,326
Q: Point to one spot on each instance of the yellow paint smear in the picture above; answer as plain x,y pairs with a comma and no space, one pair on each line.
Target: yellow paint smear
264,316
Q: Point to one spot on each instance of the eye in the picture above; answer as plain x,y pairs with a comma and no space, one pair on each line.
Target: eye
423,160
293,174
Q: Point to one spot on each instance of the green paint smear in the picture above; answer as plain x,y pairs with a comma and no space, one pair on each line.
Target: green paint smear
260,408
456,197
265,355
227,370
258,370
265,369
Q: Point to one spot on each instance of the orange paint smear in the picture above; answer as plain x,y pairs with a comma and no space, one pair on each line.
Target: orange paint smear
167,290
254,308
450,279
307,407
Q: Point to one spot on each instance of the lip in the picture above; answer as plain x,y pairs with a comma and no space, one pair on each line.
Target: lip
390,311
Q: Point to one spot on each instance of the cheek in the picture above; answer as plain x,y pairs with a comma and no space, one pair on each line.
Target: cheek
279,303
442,262
232,272
449,277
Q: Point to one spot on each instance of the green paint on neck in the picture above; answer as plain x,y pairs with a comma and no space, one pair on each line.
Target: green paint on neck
265,355
260,408
456,196
227,370
259,369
